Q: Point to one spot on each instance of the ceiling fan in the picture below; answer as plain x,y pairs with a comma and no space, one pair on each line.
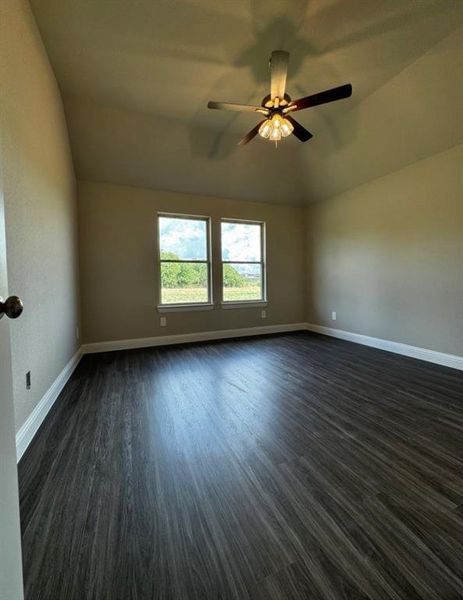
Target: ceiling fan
277,106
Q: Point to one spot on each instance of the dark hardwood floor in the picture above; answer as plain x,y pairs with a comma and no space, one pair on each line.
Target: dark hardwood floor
286,467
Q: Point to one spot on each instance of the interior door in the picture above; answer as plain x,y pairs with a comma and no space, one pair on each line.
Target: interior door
11,586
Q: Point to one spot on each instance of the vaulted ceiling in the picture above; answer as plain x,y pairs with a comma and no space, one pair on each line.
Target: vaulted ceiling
136,76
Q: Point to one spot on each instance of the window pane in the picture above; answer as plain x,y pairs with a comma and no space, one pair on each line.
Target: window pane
182,239
241,242
242,282
183,283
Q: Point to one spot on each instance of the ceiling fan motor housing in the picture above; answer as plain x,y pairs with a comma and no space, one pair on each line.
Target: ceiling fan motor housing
267,102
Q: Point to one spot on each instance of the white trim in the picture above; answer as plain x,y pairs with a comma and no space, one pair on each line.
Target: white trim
439,358
208,261
184,307
202,336
243,304
262,262
28,430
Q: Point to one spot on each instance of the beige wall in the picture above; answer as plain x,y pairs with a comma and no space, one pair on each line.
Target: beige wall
387,256
40,212
119,275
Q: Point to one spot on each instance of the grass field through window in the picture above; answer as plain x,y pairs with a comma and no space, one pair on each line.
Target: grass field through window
191,294
248,292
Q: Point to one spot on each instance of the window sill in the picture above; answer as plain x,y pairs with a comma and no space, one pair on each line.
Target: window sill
167,308
244,304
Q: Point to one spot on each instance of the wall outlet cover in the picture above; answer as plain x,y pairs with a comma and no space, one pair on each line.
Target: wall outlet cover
333,315
163,321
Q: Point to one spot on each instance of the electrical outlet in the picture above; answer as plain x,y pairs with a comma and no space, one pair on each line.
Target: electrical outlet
28,380
163,321
333,315
263,314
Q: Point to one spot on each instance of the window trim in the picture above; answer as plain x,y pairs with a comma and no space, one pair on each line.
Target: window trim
263,262
186,305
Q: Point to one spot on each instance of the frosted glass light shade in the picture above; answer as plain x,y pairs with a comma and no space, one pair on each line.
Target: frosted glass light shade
266,129
276,128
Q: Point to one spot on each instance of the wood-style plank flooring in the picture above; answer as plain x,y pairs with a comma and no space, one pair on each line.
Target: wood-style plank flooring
286,467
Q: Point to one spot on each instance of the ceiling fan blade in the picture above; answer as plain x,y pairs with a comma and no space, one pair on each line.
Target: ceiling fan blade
248,137
278,73
300,132
233,106
337,93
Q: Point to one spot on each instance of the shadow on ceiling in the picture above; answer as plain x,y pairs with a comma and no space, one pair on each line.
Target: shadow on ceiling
292,32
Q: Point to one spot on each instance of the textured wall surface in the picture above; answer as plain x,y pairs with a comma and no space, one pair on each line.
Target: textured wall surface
40,211
388,256
119,274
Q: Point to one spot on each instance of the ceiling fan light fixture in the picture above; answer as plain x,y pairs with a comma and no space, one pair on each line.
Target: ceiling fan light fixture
276,105
276,128
266,129
275,135
286,128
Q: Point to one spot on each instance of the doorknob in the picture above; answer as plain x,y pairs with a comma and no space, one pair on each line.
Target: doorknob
12,307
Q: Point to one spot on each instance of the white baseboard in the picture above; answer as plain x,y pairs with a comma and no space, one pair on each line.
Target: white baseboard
37,416
202,336
439,358
28,430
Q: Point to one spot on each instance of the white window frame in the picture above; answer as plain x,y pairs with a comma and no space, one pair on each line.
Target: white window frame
255,302
186,305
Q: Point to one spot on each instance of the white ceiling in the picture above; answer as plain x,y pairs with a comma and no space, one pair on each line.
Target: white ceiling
136,76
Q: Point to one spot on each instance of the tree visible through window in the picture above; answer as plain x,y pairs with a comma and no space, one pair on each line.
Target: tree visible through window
184,260
243,266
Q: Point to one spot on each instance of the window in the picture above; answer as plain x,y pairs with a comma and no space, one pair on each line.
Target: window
184,257
243,266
